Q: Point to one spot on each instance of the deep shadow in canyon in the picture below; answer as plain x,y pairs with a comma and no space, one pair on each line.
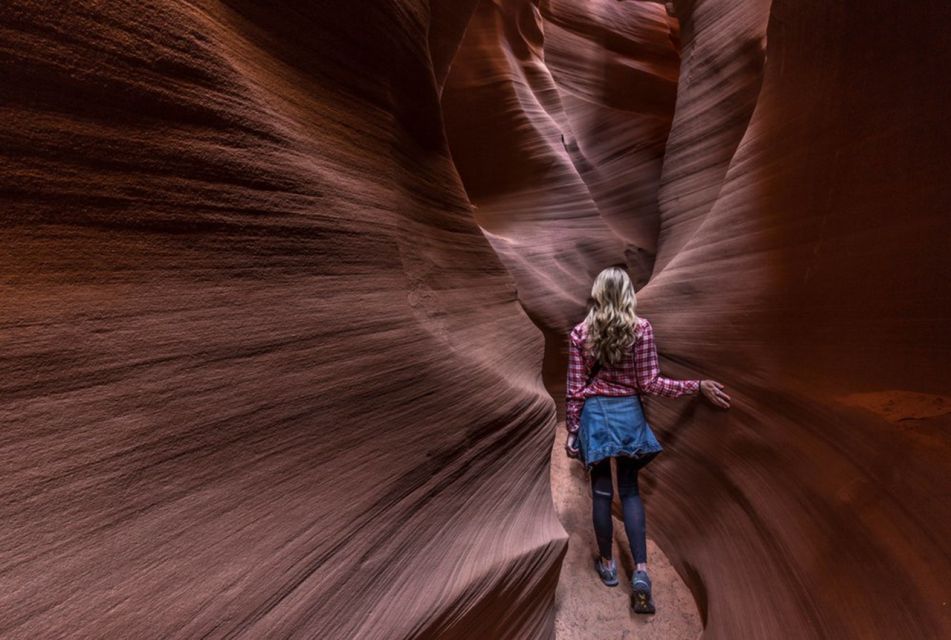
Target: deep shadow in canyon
273,279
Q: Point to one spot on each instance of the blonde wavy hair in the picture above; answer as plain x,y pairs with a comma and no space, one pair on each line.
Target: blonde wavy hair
612,320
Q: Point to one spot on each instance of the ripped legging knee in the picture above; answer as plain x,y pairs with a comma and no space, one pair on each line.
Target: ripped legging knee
602,492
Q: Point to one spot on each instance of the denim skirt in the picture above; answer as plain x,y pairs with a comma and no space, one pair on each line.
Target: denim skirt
614,426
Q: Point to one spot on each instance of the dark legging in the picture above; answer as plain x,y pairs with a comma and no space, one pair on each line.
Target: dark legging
601,493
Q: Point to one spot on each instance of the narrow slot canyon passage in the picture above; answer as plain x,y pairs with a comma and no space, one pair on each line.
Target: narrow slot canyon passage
589,134
286,288
552,202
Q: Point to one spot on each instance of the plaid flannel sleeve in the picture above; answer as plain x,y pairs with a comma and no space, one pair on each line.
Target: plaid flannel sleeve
647,367
577,376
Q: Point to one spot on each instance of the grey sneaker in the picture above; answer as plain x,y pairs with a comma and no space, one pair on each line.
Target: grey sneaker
641,598
608,576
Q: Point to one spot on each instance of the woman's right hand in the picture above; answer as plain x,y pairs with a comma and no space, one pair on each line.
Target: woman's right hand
714,392
571,446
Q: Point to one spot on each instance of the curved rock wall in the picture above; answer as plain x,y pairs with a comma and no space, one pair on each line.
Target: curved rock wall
724,48
816,286
262,375
558,192
510,140
801,234
616,67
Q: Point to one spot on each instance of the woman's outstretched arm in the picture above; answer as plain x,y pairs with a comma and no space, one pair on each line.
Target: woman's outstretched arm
647,368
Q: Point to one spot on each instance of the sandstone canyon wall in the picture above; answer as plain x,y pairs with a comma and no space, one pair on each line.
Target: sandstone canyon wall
816,285
263,374
801,231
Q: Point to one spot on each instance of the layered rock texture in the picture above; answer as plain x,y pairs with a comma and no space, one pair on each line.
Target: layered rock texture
815,284
279,284
262,374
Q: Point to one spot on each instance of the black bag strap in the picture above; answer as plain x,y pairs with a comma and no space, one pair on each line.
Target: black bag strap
594,371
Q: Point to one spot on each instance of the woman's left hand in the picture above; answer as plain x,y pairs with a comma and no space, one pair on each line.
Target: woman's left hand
714,392
571,446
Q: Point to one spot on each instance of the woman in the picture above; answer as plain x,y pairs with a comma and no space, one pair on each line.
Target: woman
612,360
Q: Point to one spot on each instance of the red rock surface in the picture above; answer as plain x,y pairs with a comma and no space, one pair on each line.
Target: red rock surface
526,104
802,260
261,374
819,273
616,67
505,122
723,53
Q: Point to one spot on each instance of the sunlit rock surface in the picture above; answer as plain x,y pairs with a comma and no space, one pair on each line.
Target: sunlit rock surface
722,60
616,66
510,140
262,375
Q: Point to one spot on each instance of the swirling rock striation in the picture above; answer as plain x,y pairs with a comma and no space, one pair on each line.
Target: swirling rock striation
810,278
616,66
509,136
262,374
801,258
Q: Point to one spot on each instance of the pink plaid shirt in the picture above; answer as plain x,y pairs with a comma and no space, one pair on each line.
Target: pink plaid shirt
639,372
